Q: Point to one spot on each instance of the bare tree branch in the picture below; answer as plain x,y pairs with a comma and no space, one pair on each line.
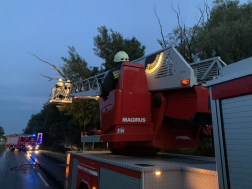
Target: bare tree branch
196,26
50,78
178,19
162,43
186,39
50,65
178,14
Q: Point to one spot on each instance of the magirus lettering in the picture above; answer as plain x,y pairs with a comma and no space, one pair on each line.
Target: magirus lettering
128,119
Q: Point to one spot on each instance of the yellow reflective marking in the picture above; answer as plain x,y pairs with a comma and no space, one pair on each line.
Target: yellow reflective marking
116,74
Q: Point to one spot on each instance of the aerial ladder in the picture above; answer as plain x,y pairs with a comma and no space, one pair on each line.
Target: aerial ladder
160,101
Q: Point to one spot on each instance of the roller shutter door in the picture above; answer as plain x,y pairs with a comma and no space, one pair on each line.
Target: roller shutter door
237,133
74,173
114,180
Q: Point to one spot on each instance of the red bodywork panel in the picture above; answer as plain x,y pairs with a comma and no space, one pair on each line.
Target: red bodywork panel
132,107
87,170
184,103
14,145
128,106
232,88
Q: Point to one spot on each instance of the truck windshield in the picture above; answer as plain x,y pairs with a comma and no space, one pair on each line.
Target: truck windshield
33,139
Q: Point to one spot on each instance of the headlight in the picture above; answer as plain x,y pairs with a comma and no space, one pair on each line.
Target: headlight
29,146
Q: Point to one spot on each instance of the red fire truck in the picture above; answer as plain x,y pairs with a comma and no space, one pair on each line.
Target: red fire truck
22,142
160,102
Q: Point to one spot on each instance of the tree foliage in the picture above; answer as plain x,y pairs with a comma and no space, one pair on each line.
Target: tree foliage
75,67
108,42
76,109
1,131
57,128
227,32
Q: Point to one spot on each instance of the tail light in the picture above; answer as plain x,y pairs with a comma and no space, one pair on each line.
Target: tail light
67,165
67,171
185,81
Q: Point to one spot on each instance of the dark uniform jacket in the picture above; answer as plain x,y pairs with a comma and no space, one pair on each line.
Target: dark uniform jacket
111,80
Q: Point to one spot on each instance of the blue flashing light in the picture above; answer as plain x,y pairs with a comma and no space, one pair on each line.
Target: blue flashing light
39,139
33,135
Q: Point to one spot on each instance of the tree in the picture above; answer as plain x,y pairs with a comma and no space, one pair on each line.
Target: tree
227,32
94,70
183,37
76,109
108,42
75,67
57,128
1,131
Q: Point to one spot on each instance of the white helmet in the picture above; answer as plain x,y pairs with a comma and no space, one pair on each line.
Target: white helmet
68,83
59,83
121,56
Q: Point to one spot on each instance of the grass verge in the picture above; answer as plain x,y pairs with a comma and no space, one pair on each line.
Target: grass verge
58,155
2,148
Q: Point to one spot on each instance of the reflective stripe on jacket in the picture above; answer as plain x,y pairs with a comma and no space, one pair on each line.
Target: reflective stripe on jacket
111,80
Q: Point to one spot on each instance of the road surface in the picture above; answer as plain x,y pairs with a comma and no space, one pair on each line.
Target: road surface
51,175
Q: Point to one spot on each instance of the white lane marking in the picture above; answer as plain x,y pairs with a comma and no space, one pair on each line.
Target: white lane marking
26,157
4,152
44,181
40,176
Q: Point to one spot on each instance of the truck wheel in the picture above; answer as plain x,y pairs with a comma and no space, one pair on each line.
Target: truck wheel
116,151
139,151
83,186
13,149
10,148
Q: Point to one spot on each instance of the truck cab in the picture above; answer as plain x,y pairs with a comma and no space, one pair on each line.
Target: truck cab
31,142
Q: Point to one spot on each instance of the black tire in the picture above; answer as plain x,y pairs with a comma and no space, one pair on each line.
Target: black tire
116,151
139,151
13,149
83,186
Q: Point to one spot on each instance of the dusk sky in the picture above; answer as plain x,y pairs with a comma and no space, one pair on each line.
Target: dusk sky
46,28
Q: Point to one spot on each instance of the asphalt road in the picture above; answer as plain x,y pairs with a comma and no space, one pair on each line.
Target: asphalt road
51,175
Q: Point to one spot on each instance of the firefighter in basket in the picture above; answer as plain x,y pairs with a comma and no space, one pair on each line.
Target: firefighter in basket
59,86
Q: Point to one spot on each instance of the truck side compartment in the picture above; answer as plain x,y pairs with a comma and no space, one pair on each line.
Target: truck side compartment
103,170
